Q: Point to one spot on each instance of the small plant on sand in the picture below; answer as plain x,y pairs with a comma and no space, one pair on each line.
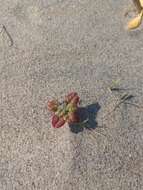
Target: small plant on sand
66,111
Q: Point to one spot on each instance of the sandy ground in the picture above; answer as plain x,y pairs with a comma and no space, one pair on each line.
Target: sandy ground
57,46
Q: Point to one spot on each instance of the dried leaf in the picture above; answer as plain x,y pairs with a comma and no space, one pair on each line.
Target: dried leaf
138,5
141,3
115,82
115,85
135,22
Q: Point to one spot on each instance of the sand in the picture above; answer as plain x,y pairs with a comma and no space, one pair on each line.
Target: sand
52,47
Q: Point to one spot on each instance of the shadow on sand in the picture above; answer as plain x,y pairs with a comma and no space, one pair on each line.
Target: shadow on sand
88,114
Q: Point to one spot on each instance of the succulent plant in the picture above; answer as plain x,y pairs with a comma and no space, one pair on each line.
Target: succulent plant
66,111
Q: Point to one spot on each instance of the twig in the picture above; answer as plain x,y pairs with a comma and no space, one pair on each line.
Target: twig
127,97
120,89
92,133
8,34
133,104
124,98
109,113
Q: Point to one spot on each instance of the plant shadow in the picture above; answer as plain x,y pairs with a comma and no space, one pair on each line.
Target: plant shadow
87,117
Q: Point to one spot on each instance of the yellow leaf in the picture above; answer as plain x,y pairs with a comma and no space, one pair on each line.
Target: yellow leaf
141,2
135,22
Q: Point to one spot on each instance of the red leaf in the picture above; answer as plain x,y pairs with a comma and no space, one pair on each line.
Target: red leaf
53,105
55,119
75,100
73,118
60,123
70,96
